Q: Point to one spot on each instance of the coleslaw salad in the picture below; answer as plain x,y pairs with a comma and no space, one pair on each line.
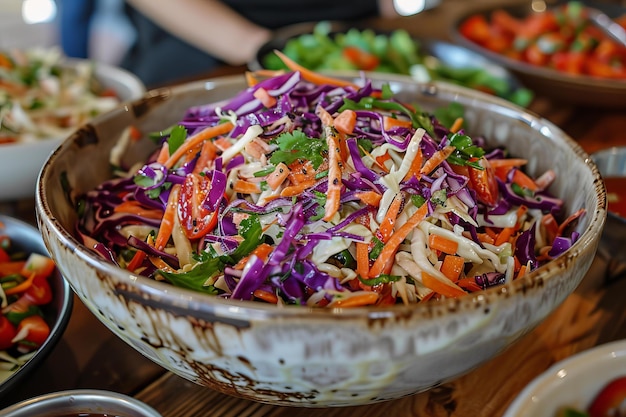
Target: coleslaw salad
310,190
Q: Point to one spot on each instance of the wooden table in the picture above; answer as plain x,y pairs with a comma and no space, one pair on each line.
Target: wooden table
90,356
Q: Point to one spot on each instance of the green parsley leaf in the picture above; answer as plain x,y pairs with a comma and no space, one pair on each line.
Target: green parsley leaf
177,137
296,145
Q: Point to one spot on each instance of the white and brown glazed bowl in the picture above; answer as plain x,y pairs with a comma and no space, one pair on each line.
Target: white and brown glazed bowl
323,357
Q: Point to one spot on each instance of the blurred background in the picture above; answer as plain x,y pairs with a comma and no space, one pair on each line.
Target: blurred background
31,23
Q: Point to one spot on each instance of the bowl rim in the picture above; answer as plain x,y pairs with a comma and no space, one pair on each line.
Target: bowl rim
517,66
58,399
64,315
588,238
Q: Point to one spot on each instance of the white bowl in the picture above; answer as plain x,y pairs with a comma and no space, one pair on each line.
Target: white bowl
20,163
572,382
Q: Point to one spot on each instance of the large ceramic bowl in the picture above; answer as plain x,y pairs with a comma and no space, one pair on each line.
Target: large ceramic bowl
21,162
315,357
27,239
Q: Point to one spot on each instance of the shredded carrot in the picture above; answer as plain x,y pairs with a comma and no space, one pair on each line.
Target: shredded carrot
360,299
333,194
137,260
442,244
416,165
522,271
133,207
345,122
437,158
386,258
297,189
251,79
389,221
371,198
135,133
448,289
391,122
167,224
265,296
312,76
457,125
550,226
469,284
510,162
262,252
362,260
524,180
280,174
164,153
264,97
246,187
205,134
452,266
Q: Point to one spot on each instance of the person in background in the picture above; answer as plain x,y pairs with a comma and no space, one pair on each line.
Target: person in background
75,18
179,39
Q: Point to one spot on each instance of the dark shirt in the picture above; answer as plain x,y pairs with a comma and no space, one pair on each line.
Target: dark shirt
159,58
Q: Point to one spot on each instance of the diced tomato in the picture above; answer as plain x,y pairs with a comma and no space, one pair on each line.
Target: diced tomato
4,256
7,333
607,402
40,292
361,59
535,55
195,218
34,331
476,28
570,62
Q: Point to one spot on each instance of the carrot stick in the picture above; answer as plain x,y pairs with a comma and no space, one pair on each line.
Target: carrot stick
246,187
457,125
469,284
387,256
11,267
371,198
358,300
447,289
452,266
265,296
133,207
416,165
312,76
389,221
443,244
333,194
362,259
167,224
391,122
437,158
280,174
205,134
164,153
345,122
524,180
264,97
297,189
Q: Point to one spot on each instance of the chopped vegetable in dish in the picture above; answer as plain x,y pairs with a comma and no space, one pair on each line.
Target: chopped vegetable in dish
308,190
396,52
24,290
42,96
609,402
561,38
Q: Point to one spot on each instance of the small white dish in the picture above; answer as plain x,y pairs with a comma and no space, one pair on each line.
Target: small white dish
573,382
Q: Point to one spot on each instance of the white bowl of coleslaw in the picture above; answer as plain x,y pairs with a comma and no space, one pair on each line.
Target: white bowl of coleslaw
265,303
43,98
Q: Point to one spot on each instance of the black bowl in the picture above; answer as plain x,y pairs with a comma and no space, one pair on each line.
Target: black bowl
27,238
